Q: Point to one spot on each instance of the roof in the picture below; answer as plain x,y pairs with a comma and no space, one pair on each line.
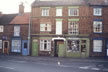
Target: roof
6,18
69,2
98,2
21,19
58,3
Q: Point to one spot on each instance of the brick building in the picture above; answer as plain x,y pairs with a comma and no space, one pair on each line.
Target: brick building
73,28
14,33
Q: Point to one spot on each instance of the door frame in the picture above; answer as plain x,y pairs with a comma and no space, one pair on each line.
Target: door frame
3,45
55,40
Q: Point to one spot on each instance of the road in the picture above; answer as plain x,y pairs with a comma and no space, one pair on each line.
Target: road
14,64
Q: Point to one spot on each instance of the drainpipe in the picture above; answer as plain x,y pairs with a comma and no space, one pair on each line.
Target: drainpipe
29,36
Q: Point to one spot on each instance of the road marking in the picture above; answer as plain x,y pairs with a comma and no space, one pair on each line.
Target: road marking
85,67
17,61
7,67
95,68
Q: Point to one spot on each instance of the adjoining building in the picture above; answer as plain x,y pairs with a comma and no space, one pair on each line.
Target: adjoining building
14,33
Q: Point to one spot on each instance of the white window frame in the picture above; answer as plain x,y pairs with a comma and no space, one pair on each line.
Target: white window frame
97,47
58,11
73,28
71,11
44,26
16,46
97,11
0,44
16,30
1,28
97,29
45,11
42,43
59,27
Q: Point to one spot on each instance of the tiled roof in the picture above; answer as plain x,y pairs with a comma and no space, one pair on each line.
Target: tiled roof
58,3
21,19
6,18
69,2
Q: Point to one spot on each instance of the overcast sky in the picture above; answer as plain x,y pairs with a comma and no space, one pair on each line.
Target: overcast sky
12,6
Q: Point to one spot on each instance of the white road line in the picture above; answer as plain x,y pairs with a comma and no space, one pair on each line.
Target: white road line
17,61
85,67
95,68
7,67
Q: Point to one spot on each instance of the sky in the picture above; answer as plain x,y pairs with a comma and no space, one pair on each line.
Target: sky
12,6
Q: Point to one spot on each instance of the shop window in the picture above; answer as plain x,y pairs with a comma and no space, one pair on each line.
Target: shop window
16,46
73,45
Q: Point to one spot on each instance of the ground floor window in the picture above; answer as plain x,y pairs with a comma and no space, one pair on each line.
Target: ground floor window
73,45
0,44
97,45
16,46
45,45
76,45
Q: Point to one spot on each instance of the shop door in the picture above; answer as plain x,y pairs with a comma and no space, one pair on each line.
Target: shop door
56,48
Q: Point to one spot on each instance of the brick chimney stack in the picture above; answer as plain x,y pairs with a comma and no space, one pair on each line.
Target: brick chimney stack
21,9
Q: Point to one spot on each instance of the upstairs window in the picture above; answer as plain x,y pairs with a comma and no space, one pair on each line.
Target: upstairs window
45,11
97,26
73,27
97,11
73,11
45,27
58,11
1,28
17,30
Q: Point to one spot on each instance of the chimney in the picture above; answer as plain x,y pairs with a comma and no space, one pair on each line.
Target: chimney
21,9
106,2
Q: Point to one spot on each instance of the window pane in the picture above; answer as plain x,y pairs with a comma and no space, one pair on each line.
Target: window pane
73,45
16,30
59,12
97,46
73,27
